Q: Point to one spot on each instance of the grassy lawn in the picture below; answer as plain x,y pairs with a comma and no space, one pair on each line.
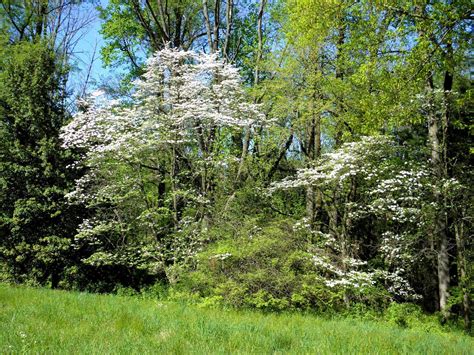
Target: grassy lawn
46,321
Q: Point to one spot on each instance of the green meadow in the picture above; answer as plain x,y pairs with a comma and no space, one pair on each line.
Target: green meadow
47,321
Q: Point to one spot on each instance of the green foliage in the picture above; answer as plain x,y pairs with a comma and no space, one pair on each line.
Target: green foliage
402,314
35,235
264,265
171,201
134,30
411,316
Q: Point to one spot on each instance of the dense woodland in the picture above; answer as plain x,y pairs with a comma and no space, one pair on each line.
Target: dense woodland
272,154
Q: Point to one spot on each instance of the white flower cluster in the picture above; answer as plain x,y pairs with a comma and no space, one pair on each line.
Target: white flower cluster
302,225
337,167
345,276
221,256
399,286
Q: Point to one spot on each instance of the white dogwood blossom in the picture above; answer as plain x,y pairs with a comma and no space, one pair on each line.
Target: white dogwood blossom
183,109
367,182
181,91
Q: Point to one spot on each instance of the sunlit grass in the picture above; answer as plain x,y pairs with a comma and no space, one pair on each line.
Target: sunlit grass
45,321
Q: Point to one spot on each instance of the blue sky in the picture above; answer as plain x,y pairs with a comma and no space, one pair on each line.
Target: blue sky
84,51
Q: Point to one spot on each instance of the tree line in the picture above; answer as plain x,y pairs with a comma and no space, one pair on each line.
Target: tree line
275,154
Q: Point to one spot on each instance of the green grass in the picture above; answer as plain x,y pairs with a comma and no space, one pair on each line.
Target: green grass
46,321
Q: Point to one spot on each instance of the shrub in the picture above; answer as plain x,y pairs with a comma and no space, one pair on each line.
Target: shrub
267,266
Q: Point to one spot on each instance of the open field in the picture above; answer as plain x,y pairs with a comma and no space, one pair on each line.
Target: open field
46,321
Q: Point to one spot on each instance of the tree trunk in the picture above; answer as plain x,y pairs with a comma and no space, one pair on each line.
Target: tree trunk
339,75
313,194
229,18
248,130
439,170
207,22
462,270
173,188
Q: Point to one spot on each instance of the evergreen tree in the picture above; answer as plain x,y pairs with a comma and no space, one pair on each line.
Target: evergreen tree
33,178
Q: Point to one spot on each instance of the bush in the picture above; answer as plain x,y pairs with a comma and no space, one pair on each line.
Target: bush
409,315
264,265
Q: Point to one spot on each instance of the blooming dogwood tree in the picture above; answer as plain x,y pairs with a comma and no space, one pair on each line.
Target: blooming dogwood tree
153,161
370,186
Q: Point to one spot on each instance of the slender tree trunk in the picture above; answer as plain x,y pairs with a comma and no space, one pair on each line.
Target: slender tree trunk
318,194
462,270
313,194
282,154
229,18
317,155
310,195
245,149
439,228
217,18
248,129
260,40
333,210
207,22
310,204
55,279
173,188
341,37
